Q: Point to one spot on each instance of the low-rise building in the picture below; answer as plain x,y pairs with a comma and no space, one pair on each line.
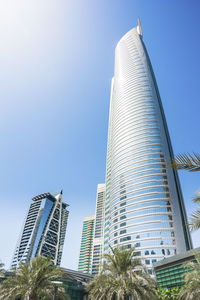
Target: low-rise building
170,271
74,280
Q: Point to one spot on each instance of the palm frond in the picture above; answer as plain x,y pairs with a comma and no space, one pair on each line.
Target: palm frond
191,288
33,280
122,275
1,269
196,199
190,162
195,220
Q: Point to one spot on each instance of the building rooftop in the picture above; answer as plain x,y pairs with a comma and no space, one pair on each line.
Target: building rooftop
179,257
77,276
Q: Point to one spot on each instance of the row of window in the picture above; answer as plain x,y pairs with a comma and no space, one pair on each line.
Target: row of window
146,115
124,177
142,212
141,145
163,234
142,227
136,186
161,253
133,166
147,166
138,177
137,112
146,191
148,132
140,205
128,127
123,148
148,218
148,197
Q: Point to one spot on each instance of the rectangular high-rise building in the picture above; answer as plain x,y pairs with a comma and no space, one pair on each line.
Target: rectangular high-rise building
144,206
98,229
44,230
85,256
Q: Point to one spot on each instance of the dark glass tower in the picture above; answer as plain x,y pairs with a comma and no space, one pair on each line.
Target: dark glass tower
44,230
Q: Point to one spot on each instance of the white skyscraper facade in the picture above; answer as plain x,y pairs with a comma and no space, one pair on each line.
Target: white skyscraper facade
144,205
98,240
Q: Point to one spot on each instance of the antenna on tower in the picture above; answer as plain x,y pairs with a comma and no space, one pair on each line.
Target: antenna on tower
139,28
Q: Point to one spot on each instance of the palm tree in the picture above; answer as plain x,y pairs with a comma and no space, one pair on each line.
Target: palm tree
1,269
195,216
33,280
167,294
191,288
122,275
187,162
192,164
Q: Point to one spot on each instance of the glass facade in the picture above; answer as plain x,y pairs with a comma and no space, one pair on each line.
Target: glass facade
85,256
144,206
170,272
44,230
172,276
98,229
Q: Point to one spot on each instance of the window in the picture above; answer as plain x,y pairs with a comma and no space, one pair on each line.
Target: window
126,238
147,261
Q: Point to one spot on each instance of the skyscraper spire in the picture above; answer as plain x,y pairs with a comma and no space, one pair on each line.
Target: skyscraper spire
139,28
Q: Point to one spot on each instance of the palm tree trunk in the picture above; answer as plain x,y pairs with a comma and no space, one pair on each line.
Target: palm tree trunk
33,296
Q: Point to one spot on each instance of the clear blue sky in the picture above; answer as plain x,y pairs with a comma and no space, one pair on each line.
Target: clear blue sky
56,59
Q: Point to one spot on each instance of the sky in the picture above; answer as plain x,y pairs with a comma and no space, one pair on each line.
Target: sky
57,61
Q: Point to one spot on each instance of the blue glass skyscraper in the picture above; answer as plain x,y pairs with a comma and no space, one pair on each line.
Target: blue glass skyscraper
144,205
44,230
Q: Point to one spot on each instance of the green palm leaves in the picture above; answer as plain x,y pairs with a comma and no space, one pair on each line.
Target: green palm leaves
192,164
168,294
187,162
195,216
191,289
33,281
122,275
1,269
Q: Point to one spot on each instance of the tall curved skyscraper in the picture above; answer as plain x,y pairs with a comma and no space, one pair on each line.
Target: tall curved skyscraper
144,205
